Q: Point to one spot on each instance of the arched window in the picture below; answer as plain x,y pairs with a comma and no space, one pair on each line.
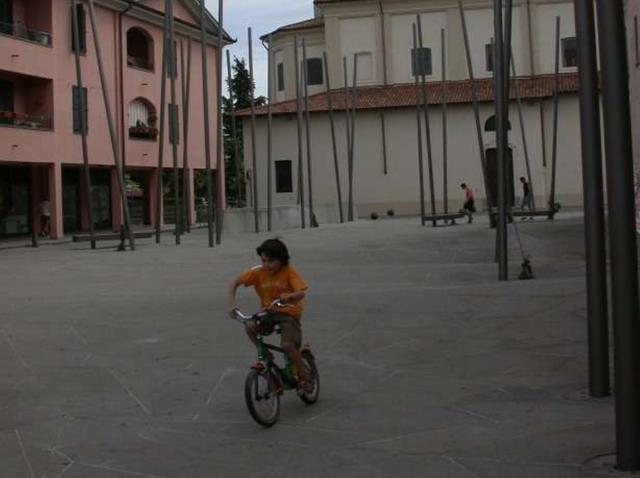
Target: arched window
143,120
139,48
490,124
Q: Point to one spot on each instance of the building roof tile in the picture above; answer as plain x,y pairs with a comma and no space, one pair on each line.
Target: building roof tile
404,95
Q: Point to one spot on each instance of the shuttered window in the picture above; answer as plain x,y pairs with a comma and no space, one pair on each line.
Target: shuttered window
284,178
82,30
80,116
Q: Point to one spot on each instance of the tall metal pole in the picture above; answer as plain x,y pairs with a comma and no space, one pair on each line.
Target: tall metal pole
556,92
595,241
427,125
269,133
445,148
347,119
501,140
476,108
299,130
254,162
219,126
173,120
163,100
207,128
186,96
234,136
305,78
112,131
622,234
353,135
83,125
523,133
332,122
419,100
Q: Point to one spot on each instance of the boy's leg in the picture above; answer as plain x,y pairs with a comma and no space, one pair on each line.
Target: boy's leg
291,342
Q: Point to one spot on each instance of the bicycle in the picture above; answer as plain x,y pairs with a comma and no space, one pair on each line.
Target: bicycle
267,381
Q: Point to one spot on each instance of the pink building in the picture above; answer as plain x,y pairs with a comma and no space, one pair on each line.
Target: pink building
632,10
40,144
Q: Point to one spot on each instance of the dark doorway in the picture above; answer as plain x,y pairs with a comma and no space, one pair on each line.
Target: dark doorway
492,176
15,218
71,199
101,197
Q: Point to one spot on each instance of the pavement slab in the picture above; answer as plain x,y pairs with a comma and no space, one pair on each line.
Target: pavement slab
124,364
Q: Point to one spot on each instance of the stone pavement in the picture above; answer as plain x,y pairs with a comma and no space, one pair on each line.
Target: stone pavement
124,364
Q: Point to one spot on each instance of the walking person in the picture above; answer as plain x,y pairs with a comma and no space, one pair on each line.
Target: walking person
45,218
469,206
526,198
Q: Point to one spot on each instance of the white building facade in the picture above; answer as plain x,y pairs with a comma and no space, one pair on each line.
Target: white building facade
385,174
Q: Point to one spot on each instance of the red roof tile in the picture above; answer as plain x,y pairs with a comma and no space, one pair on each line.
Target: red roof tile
398,96
303,25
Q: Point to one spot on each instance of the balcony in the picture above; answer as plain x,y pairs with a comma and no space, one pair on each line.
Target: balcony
20,30
25,101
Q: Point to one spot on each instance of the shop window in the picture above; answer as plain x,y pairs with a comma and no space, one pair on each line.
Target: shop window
421,62
284,177
569,52
139,49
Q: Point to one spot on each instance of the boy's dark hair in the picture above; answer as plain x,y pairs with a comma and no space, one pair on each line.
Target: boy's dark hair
463,185
523,178
274,249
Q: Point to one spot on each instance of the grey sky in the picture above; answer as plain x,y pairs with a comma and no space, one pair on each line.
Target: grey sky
263,16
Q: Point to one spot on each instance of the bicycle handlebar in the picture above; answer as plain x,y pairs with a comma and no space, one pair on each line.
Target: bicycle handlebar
239,316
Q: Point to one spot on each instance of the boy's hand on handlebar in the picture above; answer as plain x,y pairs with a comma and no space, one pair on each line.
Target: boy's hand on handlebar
232,311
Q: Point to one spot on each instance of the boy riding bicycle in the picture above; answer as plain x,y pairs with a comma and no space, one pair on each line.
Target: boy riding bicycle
276,280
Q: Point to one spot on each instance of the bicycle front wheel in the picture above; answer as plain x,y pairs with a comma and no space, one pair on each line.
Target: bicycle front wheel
262,398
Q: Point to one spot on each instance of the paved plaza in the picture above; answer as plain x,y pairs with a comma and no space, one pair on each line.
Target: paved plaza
125,364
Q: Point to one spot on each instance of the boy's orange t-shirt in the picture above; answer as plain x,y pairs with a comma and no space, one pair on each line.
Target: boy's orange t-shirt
269,287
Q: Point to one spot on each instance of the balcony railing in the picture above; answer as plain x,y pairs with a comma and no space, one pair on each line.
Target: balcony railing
143,132
20,30
20,120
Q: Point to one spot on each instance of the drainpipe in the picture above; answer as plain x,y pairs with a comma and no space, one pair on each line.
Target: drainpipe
532,64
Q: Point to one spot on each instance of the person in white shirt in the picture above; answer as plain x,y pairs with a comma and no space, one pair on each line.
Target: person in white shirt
45,218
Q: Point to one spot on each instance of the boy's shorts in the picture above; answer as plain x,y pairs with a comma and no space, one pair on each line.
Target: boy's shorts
290,329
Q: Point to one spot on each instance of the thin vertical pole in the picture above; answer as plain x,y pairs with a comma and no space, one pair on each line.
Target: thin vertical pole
254,162
220,140
183,93
622,234
207,130
299,124
163,100
234,135
383,132
523,133
556,92
83,126
353,135
445,174
173,126
186,186
427,126
305,79
347,119
476,108
112,132
419,99
594,224
270,87
506,73
501,139
333,135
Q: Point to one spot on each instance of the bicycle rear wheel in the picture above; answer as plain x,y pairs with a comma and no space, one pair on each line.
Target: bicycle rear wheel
313,378
262,397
